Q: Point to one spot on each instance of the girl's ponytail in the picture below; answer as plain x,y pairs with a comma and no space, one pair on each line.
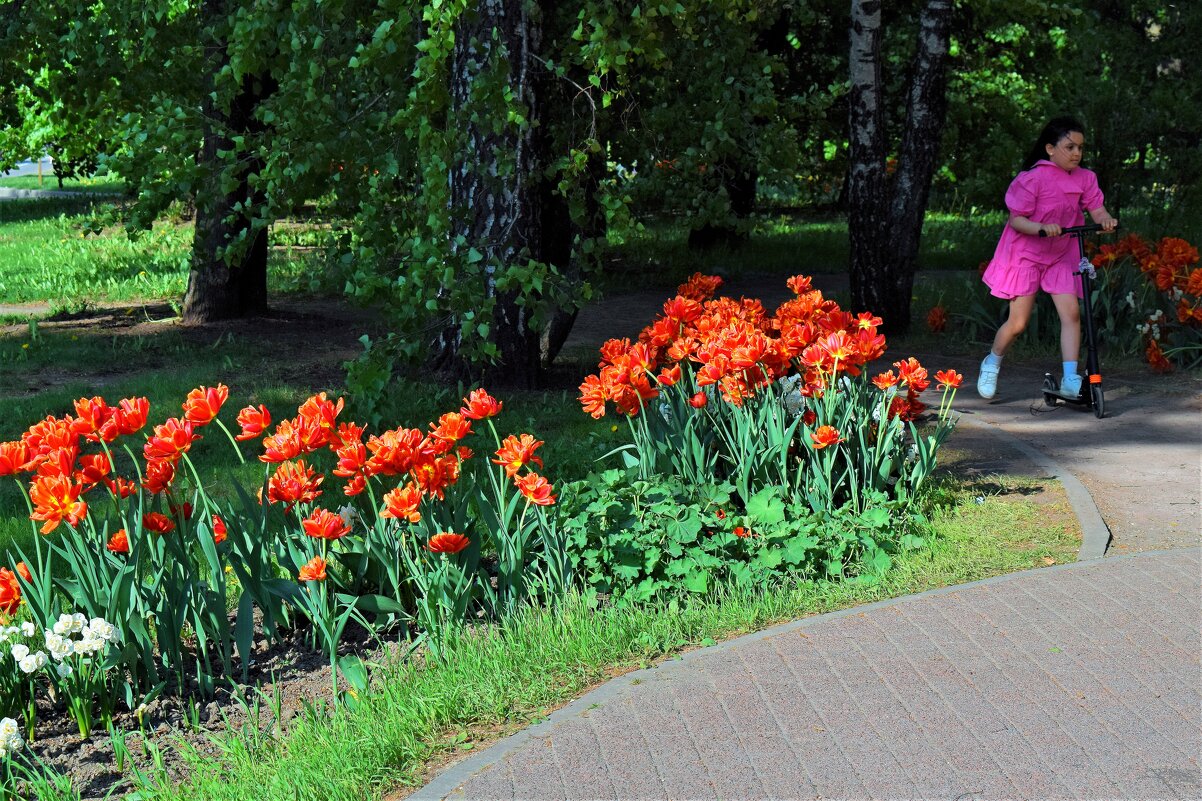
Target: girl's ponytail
1053,132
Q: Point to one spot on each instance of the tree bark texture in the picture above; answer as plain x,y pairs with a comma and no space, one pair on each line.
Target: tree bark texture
495,198
226,284
885,217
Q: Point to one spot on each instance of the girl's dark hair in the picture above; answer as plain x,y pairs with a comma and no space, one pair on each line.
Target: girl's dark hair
1053,132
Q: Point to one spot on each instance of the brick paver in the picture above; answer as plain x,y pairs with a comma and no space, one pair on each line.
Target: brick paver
1081,681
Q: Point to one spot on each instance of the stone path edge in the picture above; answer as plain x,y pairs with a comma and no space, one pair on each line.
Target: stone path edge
446,782
1095,533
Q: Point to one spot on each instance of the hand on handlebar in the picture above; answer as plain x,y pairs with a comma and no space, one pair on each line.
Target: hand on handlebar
1050,229
1109,224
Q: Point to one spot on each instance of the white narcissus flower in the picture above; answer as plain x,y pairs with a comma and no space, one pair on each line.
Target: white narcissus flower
99,628
27,628
20,651
91,645
10,737
64,669
59,647
33,662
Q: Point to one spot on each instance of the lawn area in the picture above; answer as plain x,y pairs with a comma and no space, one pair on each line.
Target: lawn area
48,183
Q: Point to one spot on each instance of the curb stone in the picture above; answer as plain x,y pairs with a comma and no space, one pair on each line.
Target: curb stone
1095,532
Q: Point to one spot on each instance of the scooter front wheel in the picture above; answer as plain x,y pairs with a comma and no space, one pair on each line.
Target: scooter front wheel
1050,387
1097,400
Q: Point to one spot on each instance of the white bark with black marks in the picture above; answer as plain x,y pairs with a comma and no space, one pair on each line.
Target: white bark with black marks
885,217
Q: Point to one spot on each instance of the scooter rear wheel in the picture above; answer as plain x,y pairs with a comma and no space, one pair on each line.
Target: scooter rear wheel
1098,400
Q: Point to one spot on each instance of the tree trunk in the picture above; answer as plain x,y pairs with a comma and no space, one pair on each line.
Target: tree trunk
885,227
866,156
228,278
495,199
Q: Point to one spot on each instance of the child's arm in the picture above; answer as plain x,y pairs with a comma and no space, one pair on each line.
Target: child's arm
1025,225
1103,218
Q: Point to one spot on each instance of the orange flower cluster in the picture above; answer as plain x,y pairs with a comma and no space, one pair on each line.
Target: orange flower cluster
913,376
734,345
1172,265
52,451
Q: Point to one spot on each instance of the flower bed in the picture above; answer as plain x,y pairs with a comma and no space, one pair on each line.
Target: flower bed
141,541
1162,306
757,447
759,450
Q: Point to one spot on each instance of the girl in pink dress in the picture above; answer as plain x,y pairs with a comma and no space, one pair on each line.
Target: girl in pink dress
1047,196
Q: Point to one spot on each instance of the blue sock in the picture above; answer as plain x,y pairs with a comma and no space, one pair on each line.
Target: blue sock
1070,368
993,360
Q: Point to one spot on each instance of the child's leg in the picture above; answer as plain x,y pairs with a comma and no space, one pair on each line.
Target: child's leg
1020,314
1070,326
1070,341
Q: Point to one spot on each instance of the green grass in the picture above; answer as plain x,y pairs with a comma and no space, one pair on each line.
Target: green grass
48,183
501,678
49,257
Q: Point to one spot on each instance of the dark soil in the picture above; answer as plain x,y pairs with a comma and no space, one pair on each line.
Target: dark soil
288,671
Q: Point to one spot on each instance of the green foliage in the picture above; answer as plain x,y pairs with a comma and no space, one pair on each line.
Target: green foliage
637,540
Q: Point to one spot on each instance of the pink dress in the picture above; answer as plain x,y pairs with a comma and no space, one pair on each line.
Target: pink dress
1023,263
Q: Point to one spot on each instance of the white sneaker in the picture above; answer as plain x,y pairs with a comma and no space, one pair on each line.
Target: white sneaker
1070,386
987,380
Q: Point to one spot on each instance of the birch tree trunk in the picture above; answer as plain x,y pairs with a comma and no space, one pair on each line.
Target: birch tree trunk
494,188
885,219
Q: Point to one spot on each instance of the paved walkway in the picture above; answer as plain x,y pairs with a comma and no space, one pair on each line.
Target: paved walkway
1073,682
1078,681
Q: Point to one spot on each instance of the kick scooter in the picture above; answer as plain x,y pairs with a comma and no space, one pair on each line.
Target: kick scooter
1091,395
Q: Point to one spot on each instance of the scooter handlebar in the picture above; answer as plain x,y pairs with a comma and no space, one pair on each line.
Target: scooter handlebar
1079,230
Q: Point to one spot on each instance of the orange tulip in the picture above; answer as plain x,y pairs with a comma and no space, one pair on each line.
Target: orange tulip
885,380
204,403
282,445
14,458
402,503
253,421
94,467
325,525
699,400
515,453
313,570
170,440
293,483
219,530
159,475
447,542
55,499
825,435
451,428
91,416
128,417
157,522
949,379
937,319
480,405
119,542
10,591
536,489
